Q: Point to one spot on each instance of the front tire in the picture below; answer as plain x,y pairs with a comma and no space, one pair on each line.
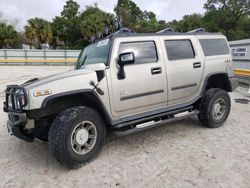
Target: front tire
214,108
76,136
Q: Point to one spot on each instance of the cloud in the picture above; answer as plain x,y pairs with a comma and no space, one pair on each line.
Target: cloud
21,10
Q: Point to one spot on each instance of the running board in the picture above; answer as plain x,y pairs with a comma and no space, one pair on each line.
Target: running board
151,124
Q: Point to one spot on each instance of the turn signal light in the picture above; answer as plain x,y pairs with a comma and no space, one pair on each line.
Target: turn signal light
42,93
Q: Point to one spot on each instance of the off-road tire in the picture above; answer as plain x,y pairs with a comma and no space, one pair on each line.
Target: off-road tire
206,116
59,137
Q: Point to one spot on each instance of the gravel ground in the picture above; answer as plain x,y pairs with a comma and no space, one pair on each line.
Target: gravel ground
181,154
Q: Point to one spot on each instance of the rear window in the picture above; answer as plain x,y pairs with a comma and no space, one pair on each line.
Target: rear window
213,47
179,49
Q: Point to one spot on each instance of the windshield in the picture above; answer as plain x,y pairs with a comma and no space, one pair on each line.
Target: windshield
94,53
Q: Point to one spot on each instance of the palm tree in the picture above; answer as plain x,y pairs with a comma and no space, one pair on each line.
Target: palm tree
30,35
8,36
39,29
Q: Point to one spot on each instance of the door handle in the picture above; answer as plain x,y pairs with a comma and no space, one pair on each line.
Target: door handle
197,65
156,70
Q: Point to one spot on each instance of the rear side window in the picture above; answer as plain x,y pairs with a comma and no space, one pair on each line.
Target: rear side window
145,52
213,47
179,49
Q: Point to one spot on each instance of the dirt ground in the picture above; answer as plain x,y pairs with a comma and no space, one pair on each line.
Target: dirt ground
181,154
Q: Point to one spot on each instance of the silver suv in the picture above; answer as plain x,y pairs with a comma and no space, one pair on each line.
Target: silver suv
125,83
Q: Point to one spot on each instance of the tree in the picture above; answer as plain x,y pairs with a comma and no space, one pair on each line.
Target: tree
70,10
8,36
67,26
94,20
227,16
58,30
237,8
133,17
128,13
190,22
39,29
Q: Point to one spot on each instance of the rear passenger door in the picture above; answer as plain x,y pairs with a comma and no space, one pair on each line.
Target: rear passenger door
184,65
144,87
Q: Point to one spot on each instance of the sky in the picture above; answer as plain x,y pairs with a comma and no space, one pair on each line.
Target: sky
19,11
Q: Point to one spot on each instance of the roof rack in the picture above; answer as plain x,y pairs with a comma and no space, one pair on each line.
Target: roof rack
118,29
198,30
167,30
124,30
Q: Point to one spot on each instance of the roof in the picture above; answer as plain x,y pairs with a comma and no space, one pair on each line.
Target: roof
115,35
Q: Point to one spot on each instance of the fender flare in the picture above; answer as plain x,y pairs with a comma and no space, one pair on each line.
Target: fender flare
88,92
213,74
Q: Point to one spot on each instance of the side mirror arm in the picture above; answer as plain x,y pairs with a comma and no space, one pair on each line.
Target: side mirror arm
121,73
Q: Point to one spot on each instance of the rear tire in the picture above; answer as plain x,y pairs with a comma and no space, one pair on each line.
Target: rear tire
76,136
214,108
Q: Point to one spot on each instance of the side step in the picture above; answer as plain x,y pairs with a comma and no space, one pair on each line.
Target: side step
154,123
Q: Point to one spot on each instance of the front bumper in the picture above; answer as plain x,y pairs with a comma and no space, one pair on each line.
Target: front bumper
234,83
16,123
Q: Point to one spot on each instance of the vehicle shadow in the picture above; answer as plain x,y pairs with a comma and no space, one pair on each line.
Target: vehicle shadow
35,156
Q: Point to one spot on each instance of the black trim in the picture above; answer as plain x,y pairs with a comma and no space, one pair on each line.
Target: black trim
133,129
50,98
183,87
240,44
83,91
15,125
141,95
150,117
243,60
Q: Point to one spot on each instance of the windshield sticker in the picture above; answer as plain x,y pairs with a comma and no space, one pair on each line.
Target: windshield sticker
103,43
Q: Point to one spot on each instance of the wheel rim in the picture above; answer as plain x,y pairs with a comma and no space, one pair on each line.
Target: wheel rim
83,137
219,109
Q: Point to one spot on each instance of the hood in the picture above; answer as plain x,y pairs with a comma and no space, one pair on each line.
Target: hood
43,81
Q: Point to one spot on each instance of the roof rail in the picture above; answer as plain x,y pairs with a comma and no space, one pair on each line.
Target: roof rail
167,30
199,30
124,30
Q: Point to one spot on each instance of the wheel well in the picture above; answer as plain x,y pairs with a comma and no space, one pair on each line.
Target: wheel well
219,81
58,104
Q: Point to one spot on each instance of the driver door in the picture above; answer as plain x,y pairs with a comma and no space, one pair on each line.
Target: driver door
144,87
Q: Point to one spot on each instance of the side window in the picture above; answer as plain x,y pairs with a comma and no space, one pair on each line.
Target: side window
145,52
213,47
179,49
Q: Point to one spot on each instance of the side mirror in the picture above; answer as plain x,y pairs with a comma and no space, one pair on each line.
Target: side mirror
125,59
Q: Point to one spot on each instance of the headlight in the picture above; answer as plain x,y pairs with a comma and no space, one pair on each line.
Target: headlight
16,97
19,99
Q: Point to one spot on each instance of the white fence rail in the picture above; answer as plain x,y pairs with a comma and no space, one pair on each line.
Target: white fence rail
38,57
